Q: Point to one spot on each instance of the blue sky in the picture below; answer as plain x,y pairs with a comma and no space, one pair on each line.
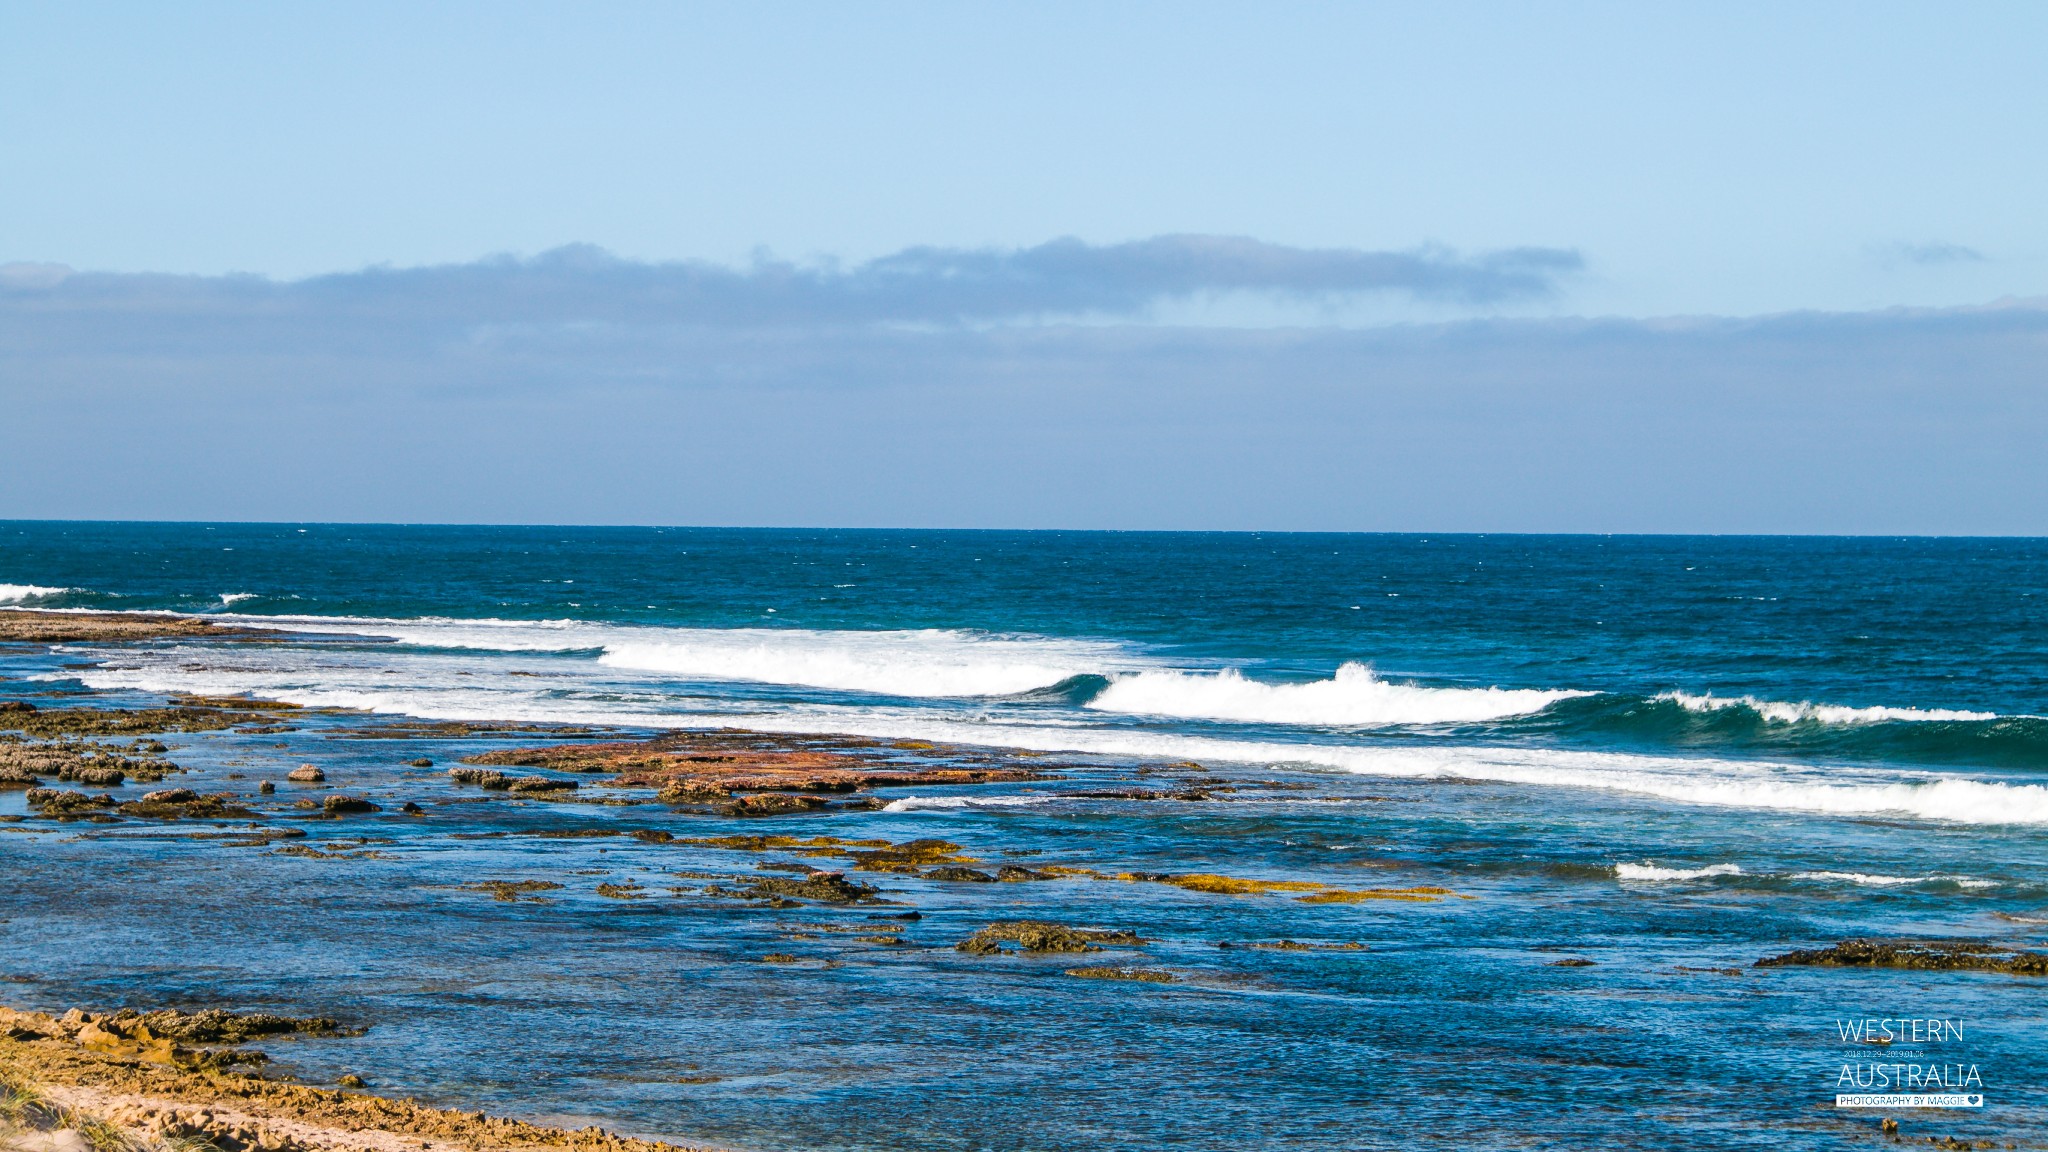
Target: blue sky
913,216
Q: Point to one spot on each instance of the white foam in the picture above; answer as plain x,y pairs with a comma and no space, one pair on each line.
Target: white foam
1868,879
916,663
1780,712
447,685
1652,872
230,599
18,593
927,803
1353,697
929,663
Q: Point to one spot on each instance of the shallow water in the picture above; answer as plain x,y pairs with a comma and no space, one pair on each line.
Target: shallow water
1553,728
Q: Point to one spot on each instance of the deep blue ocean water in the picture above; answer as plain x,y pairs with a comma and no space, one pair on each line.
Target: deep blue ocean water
1671,756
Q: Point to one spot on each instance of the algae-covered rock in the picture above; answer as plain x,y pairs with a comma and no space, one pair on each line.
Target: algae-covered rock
1925,955
824,887
61,802
773,804
957,873
79,627
541,784
48,722
909,857
339,805
1043,936
512,890
76,761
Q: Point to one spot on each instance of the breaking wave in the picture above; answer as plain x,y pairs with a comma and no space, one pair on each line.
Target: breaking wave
930,663
1653,872
1353,697
22,593
910,663
443,686
1779,712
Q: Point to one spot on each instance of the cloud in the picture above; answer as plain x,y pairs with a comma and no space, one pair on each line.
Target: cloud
1926,255
925,285
579,388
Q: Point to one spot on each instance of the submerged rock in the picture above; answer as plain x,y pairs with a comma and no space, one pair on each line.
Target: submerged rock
1144,975
956,872
512,890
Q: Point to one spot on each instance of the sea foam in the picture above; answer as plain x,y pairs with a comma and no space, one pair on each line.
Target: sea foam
932,663
1653,872
1353,697
912,662
1780,712
445,685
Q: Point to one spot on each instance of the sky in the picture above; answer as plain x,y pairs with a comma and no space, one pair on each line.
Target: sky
1491,267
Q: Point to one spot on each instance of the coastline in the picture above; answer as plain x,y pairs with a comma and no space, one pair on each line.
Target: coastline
76,1082
782,871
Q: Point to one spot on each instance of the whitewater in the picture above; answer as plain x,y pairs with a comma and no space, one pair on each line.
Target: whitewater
994,690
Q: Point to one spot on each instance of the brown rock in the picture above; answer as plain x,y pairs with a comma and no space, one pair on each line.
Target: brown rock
541,784
306,774
1043,936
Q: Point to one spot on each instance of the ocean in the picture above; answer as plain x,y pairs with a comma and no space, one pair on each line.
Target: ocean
1655,759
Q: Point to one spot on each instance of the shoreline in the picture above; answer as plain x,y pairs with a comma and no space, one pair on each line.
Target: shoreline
112,1094
775,870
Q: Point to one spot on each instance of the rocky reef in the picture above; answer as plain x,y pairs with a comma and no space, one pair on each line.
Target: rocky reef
1043,936
740,773
133,1082
1925,955
22,716
32,627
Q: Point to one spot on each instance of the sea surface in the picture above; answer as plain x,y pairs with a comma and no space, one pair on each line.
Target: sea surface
1668,756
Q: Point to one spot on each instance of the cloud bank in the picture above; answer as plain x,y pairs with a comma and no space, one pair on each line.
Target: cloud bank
930,388
925,285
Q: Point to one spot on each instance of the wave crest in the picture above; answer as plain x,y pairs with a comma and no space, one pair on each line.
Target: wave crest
928,663
1653,872
1354,697
22,593
1781,712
